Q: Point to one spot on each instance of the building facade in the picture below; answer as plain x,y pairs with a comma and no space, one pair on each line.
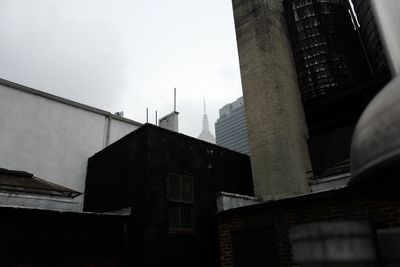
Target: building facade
231,128
52,137
170,182
257,235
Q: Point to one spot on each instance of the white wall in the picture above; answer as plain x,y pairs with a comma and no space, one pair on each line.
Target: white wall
53,137
119,129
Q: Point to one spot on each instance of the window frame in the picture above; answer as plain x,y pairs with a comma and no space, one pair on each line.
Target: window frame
180,202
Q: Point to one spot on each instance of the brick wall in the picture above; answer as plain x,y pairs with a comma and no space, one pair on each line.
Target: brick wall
281,215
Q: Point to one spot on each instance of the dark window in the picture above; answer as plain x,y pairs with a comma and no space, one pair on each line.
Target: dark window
180,202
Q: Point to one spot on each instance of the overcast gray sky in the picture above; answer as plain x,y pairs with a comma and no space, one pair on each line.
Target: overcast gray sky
125,54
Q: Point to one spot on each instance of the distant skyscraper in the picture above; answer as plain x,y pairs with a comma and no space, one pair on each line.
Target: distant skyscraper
206,135
231,129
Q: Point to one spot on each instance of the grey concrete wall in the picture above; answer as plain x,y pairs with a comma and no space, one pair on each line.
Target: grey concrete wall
275,116
227,201
52,139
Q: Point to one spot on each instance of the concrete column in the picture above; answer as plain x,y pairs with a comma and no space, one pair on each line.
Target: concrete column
274,112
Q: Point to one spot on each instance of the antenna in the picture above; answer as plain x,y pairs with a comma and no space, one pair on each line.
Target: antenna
174,99
156,117
147,115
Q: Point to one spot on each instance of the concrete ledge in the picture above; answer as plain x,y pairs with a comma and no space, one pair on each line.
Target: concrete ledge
227,201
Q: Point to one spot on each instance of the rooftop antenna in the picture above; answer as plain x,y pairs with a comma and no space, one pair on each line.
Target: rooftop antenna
147,115
174,99
156,117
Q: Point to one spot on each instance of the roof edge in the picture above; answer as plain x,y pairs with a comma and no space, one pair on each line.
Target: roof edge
65,101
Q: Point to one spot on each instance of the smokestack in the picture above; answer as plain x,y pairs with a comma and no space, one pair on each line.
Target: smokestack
275,116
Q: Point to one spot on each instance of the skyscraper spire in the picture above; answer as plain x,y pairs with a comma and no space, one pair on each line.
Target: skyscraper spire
205,133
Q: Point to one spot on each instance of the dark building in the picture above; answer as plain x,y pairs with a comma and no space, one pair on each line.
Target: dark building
169,181
231,129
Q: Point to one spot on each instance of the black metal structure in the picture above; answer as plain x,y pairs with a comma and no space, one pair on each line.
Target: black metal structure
370,36
170,181
326,49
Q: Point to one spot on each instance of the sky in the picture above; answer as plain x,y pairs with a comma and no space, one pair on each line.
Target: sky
125,55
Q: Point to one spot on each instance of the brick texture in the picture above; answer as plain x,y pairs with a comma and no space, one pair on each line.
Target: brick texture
281,215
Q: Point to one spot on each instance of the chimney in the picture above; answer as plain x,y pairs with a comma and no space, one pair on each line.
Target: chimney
275,117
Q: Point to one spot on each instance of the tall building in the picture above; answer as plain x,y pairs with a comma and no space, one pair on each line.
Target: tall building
205,134
231,129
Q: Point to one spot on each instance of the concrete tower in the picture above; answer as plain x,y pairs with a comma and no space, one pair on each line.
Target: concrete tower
275,117
205,134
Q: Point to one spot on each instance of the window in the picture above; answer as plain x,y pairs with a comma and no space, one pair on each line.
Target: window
180,202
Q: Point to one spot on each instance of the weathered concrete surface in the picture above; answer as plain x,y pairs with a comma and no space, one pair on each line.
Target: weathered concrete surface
275,116
227,201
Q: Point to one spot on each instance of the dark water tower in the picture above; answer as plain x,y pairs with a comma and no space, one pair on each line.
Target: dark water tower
370,36
326,48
